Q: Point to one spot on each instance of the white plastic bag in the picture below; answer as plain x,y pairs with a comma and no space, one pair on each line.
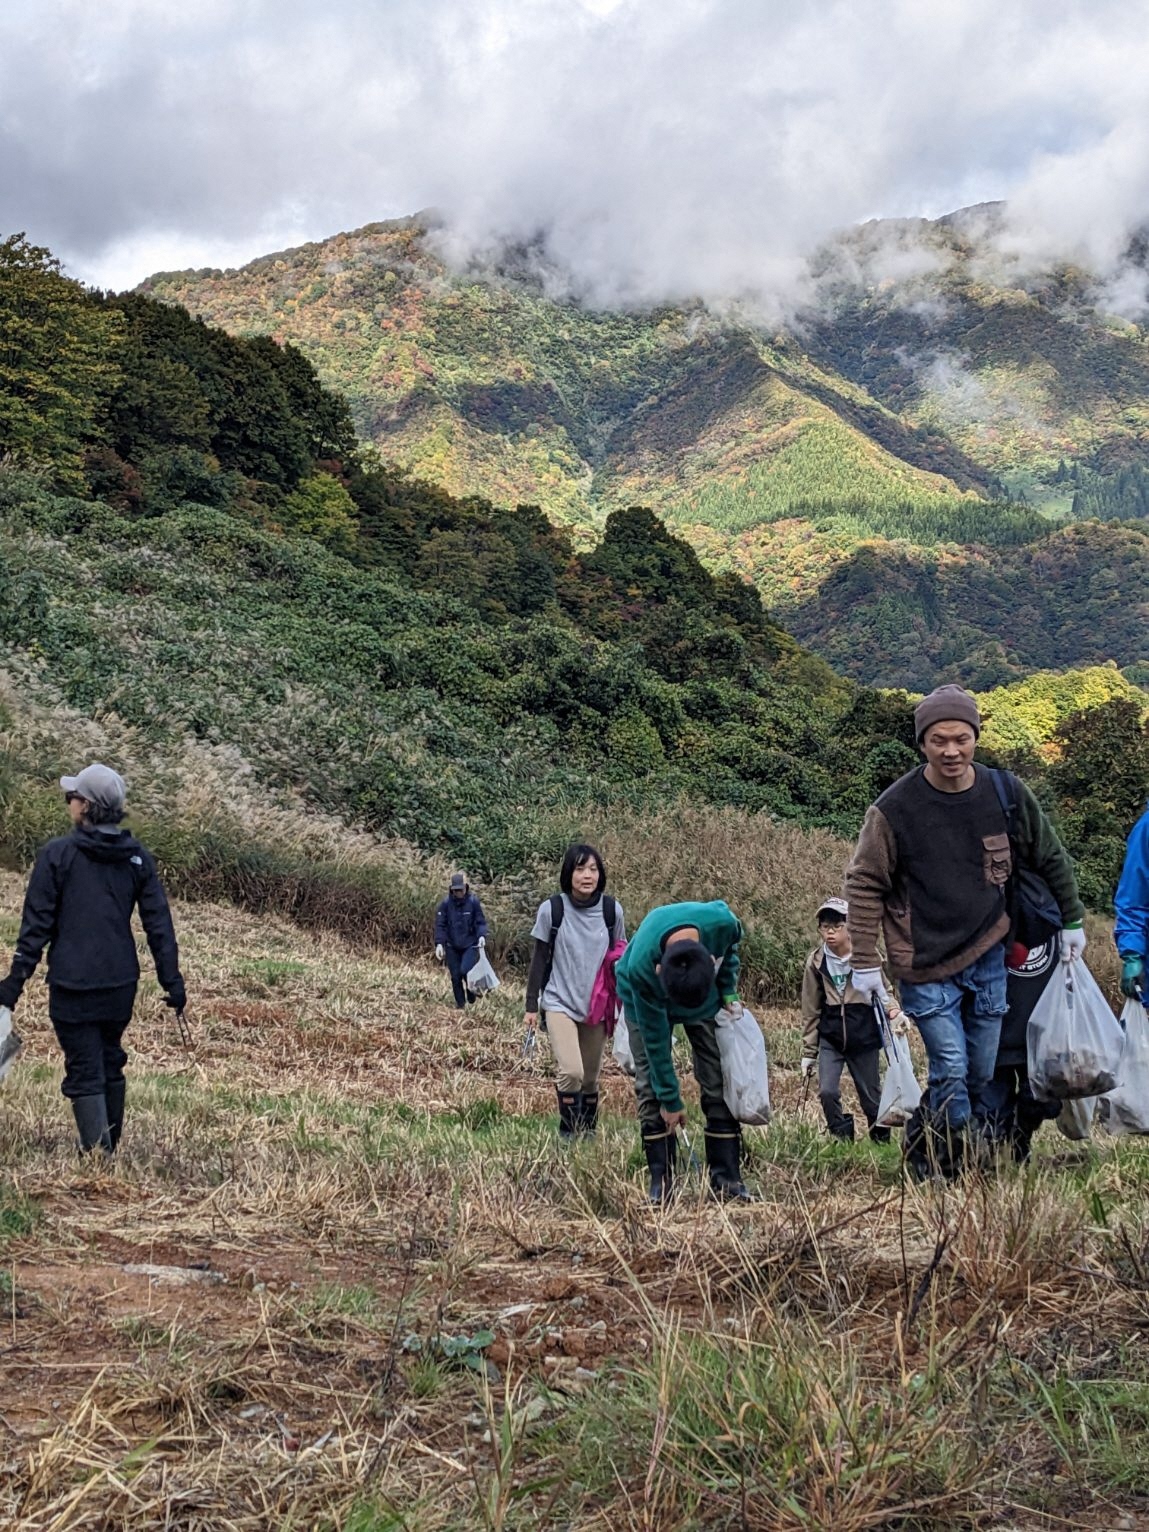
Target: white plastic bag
10,1042
1126,1108
1073,1041
901,1092
1075,1120
481,977
745,1082
620,1044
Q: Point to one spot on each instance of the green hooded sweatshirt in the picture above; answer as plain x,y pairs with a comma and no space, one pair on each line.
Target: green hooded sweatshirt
641,992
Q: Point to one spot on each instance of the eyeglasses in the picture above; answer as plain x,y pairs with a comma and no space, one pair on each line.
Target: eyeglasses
831,925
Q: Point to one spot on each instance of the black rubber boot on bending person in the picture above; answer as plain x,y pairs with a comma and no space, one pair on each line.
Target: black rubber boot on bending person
91,1114
724,1162
114,1100
661,1148
569,1115
588,1114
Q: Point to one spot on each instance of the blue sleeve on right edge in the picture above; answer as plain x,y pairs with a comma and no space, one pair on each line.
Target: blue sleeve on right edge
1131,901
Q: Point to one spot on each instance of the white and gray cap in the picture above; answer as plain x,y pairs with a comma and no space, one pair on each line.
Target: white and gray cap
833,906
99,785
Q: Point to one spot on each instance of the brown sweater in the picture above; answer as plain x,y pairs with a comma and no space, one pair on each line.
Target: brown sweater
930,870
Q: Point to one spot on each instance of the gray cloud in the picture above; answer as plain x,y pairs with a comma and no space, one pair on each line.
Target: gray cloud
665,148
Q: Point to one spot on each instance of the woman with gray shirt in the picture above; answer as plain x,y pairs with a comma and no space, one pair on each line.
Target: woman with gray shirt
573,932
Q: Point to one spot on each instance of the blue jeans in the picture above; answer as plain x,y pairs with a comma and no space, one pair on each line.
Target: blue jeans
960,1022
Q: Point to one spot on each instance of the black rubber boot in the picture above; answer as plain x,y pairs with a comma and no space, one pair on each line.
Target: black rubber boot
91,1114
843,1128
114,1099
724,1161
568,1116
588,1114
879,1135
661,1149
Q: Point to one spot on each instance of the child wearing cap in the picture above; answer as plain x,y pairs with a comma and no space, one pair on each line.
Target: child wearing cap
839,1028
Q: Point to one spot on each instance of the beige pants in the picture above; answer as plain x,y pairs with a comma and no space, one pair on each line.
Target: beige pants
578,1051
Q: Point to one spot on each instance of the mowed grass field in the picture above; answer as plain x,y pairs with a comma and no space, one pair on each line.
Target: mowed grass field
340,1276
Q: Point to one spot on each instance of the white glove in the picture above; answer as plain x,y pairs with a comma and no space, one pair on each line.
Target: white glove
482,942
1072,943
869,981
439,953
808,1067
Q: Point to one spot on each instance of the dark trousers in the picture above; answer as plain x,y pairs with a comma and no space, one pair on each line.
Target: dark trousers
93,1058
1012,1112
863,1069
460,961
704,1052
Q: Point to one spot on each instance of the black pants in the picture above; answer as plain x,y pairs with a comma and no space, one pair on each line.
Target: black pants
863,1069
93,1057
1012,1112
460,960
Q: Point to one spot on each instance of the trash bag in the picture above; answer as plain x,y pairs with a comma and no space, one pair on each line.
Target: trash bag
1075,1120
1126,1108
481,977
620,1044
10,1042
901,1093
1073,1041
745,1082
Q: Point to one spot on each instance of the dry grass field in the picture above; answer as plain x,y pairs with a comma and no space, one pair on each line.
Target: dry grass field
341,1277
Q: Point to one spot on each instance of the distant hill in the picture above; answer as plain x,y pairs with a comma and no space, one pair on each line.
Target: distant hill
925,381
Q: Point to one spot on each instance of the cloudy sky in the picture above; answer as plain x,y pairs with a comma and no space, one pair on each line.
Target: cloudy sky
664,147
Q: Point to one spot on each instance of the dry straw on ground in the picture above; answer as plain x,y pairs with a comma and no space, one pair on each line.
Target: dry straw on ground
341,1276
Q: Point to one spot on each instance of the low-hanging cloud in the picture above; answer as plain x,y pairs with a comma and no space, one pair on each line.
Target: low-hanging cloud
653,150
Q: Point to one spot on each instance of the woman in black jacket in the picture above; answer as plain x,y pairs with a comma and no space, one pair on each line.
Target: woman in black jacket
81,895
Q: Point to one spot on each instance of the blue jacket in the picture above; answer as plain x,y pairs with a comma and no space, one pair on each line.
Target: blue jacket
1131,901
460,922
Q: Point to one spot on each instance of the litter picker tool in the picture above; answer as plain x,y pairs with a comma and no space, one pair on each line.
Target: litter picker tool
183,1031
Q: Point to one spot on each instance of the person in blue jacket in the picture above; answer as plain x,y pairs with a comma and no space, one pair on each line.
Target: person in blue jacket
79,904
460,934
1131,904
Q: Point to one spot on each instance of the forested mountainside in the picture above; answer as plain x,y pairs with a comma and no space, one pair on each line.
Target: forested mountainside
193,542
925,379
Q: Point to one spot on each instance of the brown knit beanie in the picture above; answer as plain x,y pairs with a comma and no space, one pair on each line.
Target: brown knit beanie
946,704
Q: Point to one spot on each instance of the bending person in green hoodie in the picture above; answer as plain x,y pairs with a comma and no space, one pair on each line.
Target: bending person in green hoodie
682,968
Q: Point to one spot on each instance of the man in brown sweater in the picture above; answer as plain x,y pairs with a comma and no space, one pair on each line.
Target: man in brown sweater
930,870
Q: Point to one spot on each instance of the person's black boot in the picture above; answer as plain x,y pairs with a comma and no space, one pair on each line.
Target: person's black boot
568,1116
588,1114
723,1161
91,1114
114,1100
843,1128
879,1135
660,1146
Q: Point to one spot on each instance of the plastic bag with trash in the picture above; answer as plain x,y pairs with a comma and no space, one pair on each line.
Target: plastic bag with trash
1125,1110
481,977
10,1042
901,1093
1073,1041
620,1044
745,1081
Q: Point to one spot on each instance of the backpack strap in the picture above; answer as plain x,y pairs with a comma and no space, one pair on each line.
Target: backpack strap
1006,796
558,910
609,913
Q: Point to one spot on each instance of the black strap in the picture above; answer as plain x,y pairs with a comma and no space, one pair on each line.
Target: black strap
1003,787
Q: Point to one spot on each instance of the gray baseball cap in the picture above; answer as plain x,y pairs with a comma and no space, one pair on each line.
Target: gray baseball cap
458,880
835,906
98,784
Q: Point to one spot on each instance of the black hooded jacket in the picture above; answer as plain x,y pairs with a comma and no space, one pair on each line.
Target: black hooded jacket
81,895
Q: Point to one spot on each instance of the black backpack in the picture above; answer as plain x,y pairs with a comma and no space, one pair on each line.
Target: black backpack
558,910
1034,913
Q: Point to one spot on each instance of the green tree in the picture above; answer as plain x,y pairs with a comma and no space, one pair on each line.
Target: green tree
58,361
321,508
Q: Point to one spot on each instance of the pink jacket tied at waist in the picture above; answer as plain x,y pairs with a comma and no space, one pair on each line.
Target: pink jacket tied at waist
603,1008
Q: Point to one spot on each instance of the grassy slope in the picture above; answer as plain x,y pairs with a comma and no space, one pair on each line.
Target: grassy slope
370,1186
